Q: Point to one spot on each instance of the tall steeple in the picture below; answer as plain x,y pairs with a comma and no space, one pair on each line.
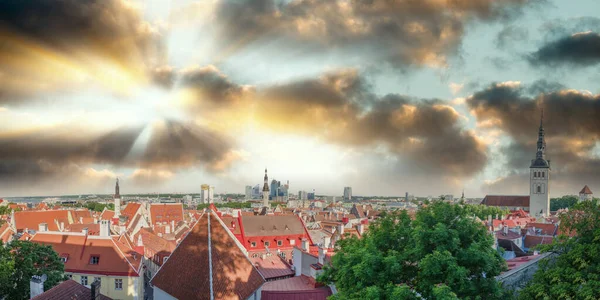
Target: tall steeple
539,180
117,195
541,143
266,190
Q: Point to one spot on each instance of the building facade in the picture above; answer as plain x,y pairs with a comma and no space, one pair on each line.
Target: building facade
347,193
539,178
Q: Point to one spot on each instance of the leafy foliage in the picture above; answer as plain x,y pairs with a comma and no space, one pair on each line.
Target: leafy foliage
563,202
443,254
20,260
575,272
99,207
483,211
227,204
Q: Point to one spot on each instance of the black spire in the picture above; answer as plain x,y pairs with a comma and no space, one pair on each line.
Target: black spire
117,189
266,185
540,155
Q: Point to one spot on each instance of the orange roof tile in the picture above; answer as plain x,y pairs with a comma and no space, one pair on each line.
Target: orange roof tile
586,191
166,212
272,266
5,233
155,244
93,229
80,213
544,228
32,219
272,225
533,240
514,201
115,258
107,215
233,275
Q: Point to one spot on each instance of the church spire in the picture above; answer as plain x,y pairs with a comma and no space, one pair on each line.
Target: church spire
541,143
117,189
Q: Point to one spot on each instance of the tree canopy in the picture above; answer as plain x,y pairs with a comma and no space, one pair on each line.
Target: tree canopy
563,202
575,272
20,260
444,253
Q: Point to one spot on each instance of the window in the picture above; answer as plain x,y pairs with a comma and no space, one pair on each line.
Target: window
252,244
279,243
254,255
63,259
539,189
543,174
118,284
84,280
165,259
292,242
94,259
282,255
267,244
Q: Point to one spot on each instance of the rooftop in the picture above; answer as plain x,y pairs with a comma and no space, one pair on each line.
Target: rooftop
69,290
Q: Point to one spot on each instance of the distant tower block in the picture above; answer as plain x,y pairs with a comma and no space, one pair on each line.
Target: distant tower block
539,178
266,190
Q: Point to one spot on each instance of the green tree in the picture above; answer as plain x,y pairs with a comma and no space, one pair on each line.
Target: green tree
575,272
442,254
563,202
483,211
20,260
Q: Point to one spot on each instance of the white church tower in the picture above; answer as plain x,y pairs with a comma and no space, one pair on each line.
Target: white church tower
266,190
539,178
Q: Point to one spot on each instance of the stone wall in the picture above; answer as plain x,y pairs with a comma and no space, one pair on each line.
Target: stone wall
518,278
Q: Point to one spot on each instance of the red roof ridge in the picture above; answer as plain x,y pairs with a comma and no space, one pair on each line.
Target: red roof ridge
586,190
125,256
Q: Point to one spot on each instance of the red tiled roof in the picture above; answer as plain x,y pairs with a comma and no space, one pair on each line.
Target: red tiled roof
272,266
586,190
186,274
534,240
93,229
115,258
546,229
70,290
130,209
5,233
509,236
295,288
81,213
518,261
107,215
272,225
515,201
32,219
232,224
166,212
156,245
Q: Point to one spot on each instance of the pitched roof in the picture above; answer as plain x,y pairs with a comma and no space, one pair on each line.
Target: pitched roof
93,229
166,212
534,240
586,191
208,245
116,258
81,213
272,266
107,215
69,290
509,236
544,228
494,200
156,244
5,233
272,225
32,219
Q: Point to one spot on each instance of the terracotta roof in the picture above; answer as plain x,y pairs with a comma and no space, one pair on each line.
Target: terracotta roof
230,222
586,190
69,290
32,219
518,261
157,245
166,212
272,266
130,209
5,233
295,288
518,201
93,229
509,236
115,257
80,213
544,228
186,273
533,240
107,215
272,225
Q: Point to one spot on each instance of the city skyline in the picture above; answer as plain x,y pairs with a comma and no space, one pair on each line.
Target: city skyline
169,95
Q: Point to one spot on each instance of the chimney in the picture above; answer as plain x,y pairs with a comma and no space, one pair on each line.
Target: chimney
85,231
95,290
62,226
505,230
43,227
104,228
305,245
81,220
36,285
322,253
172,225
340,229
326,241
361,228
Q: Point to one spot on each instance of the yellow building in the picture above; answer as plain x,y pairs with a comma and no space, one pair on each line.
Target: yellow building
110,259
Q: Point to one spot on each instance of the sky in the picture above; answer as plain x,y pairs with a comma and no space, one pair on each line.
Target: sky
427,97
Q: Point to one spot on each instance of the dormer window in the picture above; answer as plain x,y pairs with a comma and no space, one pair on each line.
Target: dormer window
252,244
64,257
280,243
267,244
94,259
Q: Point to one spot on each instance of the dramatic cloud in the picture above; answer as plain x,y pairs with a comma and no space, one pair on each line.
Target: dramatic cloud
571,125
580,49
105,41
208,88
511,35
402,33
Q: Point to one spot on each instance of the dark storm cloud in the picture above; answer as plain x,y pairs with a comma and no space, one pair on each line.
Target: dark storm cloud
402,33
164,77
209,85
340,107
571,125
78,37
580,49
176,145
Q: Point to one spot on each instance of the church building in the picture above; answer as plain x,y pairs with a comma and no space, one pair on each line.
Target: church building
538,201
